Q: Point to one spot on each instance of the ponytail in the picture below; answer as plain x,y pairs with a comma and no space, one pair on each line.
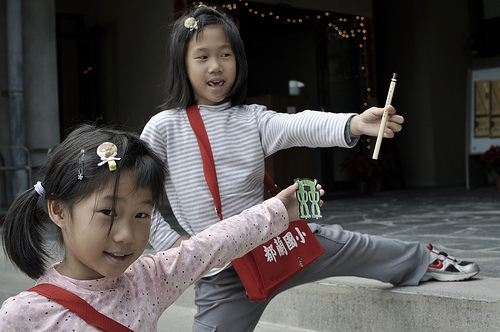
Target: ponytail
72,172
23,231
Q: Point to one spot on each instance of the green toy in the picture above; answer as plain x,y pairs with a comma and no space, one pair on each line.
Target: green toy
308,197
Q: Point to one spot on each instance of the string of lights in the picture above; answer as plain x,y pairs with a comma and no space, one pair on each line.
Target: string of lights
337,26
345,26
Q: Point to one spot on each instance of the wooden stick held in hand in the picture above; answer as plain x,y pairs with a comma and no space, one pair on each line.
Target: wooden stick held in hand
384,116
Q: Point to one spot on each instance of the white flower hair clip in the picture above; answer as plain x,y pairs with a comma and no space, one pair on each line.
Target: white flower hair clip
191,23
108,151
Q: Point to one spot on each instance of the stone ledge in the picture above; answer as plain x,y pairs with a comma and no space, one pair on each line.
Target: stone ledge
349,304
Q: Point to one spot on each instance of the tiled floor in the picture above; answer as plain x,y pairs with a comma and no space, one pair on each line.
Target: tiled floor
464,223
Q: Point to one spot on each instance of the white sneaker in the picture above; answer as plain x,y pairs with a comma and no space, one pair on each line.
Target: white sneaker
446,268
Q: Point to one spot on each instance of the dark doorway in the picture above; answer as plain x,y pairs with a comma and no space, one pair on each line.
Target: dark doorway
325,51
78,71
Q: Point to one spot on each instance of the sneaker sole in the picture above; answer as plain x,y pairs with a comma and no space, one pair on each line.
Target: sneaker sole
442,276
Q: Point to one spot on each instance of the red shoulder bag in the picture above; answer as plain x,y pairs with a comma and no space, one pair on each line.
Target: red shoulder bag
269,266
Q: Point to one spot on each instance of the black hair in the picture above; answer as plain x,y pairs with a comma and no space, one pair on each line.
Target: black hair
24,225
178,89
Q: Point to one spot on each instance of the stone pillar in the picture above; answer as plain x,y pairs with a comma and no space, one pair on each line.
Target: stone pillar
40,77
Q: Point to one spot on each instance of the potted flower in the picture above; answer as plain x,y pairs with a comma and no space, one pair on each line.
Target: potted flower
491,161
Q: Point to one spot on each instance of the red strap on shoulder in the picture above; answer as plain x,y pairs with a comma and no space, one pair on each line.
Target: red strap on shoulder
79,306
272,187
193,113
196,122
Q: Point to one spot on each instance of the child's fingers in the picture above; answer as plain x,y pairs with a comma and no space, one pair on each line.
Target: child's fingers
390,110
288,192
321,191
293,188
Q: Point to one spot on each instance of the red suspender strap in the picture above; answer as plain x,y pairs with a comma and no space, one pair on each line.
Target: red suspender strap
80,307
196,122
273,188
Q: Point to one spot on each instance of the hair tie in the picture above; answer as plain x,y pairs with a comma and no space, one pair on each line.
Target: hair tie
39,188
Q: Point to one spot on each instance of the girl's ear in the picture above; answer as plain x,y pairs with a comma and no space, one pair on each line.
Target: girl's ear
57,213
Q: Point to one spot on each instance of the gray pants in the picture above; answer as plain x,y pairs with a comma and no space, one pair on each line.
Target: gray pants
223,305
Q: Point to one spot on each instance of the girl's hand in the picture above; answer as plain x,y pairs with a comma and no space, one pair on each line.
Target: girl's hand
368,122
287,196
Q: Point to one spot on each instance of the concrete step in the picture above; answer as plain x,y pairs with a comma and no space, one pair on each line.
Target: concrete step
347,304
355,304
180,318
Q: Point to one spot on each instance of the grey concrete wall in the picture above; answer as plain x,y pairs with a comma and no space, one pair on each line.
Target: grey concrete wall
4,100
38,92
40,76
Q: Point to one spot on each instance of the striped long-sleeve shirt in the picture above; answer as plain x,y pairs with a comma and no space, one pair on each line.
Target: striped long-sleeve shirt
240,137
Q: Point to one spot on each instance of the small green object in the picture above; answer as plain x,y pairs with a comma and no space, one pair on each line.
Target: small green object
308,197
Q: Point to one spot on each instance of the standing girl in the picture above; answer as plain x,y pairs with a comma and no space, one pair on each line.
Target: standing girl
208,68
100,189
